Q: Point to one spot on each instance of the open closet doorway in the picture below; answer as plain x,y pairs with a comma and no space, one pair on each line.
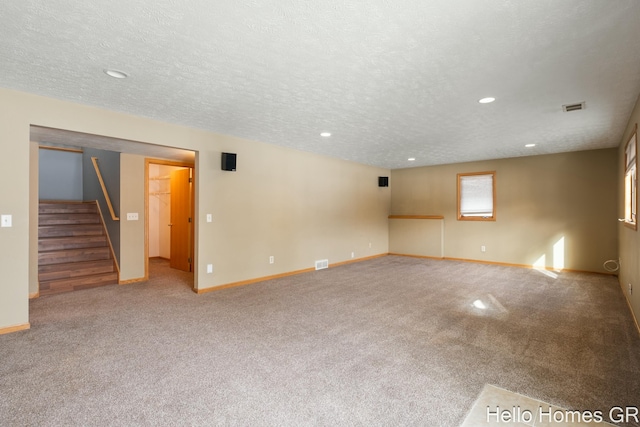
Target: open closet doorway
170,218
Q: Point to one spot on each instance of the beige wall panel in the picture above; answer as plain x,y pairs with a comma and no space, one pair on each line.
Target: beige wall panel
547,206
294,206
132,233
421,237
14,201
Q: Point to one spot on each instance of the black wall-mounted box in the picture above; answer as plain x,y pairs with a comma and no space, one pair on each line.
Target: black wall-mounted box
228,161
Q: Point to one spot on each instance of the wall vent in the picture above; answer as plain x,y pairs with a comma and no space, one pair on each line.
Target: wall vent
573,107
322,264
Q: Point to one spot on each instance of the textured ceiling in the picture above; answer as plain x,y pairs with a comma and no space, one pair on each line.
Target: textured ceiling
389,79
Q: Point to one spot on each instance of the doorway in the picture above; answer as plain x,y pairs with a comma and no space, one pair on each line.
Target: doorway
169,214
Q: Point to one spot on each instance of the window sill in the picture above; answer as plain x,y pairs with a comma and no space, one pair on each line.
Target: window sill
476,218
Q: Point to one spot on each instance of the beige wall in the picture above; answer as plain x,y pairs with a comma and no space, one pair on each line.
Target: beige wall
540,200
629,238
412,236
132,233
14,200
295,206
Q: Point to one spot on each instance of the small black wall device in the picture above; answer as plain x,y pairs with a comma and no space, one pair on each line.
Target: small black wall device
383,181
228,161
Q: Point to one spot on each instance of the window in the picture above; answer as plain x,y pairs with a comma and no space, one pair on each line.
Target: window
477,196
630,181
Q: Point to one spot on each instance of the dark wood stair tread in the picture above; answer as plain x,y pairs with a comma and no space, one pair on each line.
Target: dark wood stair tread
65,230
81,218
82,282
75,269
67,208
71,242
73,255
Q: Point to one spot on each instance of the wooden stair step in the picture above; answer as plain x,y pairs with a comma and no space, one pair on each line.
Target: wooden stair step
81,218
71,242
65,230
75,283
75,269
73,249
74,255
66,208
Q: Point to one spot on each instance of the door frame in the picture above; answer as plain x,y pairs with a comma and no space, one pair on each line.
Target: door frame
147,162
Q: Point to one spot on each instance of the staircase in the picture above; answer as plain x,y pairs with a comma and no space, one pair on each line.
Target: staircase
73,250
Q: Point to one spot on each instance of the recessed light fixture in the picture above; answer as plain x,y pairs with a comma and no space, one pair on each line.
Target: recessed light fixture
411,159
325,134
115,74
530,145
487,100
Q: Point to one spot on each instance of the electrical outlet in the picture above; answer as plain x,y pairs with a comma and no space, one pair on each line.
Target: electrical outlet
483,248
271,259
630,289
209,268
6,221
353,254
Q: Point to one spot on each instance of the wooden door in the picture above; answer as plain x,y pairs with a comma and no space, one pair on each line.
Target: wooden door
181,220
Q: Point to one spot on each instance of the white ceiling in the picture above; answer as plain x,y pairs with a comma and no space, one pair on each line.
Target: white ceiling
390,79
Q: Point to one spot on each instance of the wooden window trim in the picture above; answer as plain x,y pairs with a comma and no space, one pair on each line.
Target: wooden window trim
477,218
633,224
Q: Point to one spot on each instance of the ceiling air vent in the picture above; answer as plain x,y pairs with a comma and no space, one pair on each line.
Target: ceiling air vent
573,107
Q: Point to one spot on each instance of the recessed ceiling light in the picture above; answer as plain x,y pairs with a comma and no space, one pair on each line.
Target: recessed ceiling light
326,134
530,145
487,100
411,159
116,74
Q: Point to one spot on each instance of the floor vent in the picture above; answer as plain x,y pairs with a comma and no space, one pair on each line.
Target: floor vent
322,264
573,107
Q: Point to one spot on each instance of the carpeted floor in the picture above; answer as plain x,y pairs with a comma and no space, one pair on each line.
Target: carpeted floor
389,341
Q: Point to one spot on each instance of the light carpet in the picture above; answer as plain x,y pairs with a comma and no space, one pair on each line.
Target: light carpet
388,341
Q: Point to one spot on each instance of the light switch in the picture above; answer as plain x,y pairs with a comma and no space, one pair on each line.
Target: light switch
5,221
132,216
209,218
